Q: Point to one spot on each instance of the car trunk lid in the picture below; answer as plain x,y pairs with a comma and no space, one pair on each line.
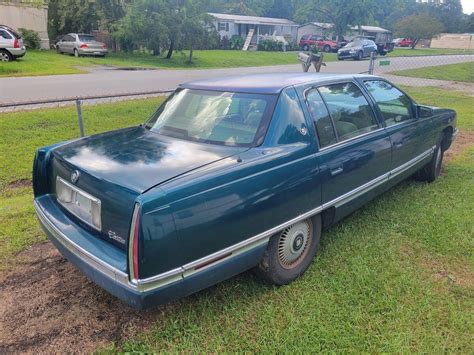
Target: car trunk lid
117,166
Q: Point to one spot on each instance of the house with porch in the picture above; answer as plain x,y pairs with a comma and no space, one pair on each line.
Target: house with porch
228,25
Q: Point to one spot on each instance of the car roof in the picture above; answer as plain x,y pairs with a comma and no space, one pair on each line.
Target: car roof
265,83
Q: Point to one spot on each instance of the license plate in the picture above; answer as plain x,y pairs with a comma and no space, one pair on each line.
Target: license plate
81,204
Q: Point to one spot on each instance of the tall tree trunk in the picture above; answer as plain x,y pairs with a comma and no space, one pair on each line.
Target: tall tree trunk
170,50
190,60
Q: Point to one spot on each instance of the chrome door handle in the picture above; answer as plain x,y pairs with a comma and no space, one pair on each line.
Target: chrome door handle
336,171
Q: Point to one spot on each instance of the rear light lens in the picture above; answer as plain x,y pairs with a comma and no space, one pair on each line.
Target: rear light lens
83,45
16,43
133,243
104,46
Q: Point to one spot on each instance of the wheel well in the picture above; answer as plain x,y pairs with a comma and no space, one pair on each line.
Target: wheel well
447,138
327,217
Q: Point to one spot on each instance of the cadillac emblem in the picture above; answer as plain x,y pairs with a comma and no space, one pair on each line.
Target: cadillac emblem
75,176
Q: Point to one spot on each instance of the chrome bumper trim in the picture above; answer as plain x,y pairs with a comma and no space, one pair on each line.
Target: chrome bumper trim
96,263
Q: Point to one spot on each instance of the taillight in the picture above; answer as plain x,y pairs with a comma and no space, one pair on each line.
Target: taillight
16,43
104,46
83,45
133,243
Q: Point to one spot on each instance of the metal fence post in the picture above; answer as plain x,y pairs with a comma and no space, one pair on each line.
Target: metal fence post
79,117
371,63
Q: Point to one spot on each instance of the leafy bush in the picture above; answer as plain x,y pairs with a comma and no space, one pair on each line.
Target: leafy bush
236,42
30,38
293,46
270,46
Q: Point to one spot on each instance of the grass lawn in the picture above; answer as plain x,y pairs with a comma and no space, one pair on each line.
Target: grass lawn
396,276
51,63
408,52
456,72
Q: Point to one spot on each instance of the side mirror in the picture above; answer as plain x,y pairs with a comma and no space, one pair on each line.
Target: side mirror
424,111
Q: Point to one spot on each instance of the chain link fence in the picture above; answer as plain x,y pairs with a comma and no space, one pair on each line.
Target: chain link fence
426,70
78,102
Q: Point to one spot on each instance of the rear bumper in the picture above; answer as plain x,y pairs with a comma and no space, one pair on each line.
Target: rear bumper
17,52
106,265
90,51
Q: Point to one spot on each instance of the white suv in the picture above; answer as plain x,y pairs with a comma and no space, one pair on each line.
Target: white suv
11,44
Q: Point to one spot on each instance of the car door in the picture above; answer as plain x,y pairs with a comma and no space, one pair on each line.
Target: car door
411,137
6,40
354,148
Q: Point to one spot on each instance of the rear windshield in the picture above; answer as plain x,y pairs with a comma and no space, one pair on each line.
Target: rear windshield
86,38
216,117
11,30
353,44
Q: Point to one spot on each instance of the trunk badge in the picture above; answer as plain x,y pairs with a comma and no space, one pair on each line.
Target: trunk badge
75,176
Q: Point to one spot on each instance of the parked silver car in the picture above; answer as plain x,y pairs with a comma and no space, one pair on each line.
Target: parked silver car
81,44
11,44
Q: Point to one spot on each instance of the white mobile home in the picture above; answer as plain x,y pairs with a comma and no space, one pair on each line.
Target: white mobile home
228,25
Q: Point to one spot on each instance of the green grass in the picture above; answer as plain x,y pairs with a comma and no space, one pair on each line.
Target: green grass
408,52
37,63
52,63
396,276
452,72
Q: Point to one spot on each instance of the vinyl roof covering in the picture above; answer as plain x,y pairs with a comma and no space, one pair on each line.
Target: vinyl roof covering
253,20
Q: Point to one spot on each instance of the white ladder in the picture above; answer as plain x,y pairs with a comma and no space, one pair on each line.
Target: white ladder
248,39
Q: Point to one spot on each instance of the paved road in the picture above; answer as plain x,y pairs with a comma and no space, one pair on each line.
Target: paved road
111,81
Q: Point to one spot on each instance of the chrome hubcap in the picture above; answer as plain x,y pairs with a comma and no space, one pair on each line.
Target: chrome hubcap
4,57
293,244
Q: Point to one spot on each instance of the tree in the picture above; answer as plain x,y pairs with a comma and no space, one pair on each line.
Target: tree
418,26
341,13
72,16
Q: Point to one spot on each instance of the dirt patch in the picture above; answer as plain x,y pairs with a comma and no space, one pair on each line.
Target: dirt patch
462,142
48,306
19,183
439,269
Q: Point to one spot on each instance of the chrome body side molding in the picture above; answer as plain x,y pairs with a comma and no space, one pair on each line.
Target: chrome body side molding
180,273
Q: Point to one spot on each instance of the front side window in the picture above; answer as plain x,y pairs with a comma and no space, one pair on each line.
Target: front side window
393,104
350,111
225,118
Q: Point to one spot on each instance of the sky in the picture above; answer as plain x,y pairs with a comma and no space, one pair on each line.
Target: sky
468,6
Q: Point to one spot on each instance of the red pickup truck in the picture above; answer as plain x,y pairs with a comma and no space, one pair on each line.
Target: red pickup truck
322,42
405,42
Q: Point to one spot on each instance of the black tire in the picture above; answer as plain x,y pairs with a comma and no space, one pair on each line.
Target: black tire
275,267
5,56
305,47
76,53
431,171
327,48
360,55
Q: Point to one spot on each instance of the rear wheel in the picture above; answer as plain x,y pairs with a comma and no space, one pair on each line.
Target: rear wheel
327,48
76,53
5,56
290,252
360,55
305,47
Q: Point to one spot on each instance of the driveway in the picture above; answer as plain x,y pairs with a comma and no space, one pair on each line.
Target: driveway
106,81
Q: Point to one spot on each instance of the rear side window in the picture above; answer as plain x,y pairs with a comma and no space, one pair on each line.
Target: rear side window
349,110
393,104
288,122
5,34
305,37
